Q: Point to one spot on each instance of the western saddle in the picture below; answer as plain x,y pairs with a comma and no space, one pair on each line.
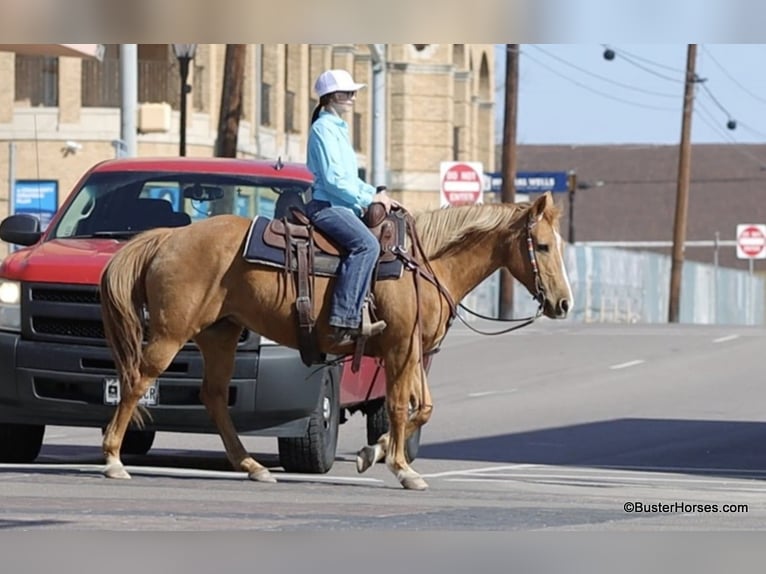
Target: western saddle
292,232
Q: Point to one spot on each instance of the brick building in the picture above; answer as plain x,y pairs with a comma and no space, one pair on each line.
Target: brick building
628,192
440,107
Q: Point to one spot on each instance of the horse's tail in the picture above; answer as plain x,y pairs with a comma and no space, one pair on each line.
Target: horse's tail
123,296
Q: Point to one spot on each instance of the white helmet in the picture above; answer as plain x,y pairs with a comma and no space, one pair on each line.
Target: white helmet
335,81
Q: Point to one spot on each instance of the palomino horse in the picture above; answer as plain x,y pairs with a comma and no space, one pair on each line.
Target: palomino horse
193,283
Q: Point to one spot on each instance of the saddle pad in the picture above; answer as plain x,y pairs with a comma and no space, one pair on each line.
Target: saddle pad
257,251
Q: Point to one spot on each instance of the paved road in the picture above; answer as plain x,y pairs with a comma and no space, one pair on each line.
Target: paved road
555,427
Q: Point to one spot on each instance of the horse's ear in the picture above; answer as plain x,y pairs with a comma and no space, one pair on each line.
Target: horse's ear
537,209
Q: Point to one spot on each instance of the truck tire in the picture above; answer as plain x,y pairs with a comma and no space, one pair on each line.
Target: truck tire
136,441
314,453
20,443
377,424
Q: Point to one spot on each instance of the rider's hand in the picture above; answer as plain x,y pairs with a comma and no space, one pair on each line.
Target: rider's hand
385,199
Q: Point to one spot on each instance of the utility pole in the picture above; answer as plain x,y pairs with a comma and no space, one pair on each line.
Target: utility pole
508,167
378,53
128,99
572,185
231,100
682,190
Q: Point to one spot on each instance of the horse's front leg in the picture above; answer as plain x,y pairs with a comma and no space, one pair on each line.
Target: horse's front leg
402,372
419,414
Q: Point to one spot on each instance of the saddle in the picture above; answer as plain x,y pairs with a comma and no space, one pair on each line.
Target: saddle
294,244
387,228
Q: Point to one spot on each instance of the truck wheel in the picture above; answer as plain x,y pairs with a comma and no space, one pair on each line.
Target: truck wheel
377,424
314,452
20,443
135,441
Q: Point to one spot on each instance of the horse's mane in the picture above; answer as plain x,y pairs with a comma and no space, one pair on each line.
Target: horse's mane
442,229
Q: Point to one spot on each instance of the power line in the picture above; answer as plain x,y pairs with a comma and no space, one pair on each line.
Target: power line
715,101
633,61
751,130
595,91
603,78
732,78
648,61
707,117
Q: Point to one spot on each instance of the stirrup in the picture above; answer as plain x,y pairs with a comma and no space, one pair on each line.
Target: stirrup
370,327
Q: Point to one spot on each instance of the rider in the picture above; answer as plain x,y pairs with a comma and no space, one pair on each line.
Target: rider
339,199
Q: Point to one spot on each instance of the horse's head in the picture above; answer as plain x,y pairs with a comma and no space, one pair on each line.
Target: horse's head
538,259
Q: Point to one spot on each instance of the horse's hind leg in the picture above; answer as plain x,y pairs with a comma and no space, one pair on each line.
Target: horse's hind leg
218,344
156,357
421,409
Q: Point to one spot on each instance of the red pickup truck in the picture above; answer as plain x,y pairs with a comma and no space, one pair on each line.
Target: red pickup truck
56,368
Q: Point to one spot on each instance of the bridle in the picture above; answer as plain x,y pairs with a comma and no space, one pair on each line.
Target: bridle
538,296
414,265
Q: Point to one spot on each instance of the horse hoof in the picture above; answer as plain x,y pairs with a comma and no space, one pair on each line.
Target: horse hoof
365,458
262,475
414,483
116,471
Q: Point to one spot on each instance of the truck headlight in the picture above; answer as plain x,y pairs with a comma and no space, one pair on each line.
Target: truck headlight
10,305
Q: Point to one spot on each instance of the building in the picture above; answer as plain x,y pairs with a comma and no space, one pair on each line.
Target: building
439,103
628,193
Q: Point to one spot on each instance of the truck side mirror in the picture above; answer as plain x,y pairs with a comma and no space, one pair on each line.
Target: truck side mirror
20,229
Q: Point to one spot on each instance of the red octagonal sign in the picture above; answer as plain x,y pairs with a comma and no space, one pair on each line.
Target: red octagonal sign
462,183
751,241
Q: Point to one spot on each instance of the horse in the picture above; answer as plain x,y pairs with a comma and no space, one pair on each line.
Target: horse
172,285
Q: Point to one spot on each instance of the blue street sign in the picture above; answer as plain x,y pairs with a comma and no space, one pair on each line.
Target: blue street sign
534,181
36,197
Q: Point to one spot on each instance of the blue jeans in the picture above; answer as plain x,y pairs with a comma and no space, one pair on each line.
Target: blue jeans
348,231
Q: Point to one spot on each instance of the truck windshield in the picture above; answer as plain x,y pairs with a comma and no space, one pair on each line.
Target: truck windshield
121,204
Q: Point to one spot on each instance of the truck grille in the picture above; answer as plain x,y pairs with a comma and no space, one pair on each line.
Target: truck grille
67,313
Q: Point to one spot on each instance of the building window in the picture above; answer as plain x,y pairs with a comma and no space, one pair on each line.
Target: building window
158,78
290,112
37,80
100,82
265,104
357,131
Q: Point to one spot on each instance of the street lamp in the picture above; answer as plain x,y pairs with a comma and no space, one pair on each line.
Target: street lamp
185,54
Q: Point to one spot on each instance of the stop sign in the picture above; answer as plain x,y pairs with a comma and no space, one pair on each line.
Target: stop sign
751,241
462,183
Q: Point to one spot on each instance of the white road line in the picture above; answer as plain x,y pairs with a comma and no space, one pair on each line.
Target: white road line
478,470
489,393
726,338
157,471
604,477
604,480
626,365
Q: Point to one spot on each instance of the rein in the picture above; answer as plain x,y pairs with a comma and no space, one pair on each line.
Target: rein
539,296
413,265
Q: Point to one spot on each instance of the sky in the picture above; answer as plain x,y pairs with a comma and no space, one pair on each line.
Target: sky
570,94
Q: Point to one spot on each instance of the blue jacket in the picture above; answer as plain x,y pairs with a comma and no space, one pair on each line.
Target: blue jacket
332,160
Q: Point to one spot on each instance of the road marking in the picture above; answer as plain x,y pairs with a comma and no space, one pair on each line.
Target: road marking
157,471
726,338
739,480
489,393
626,365
479,470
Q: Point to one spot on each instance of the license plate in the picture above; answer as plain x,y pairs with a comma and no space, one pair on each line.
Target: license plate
112,393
